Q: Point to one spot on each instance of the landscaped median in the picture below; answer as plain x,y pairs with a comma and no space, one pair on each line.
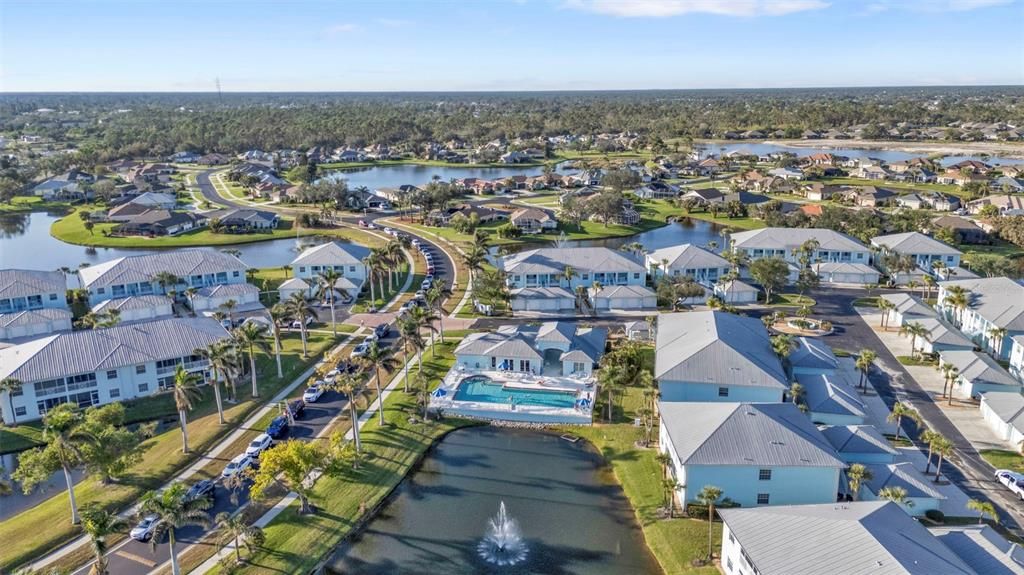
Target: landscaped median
49,522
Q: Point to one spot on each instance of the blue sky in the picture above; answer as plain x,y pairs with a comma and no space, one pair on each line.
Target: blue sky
506,45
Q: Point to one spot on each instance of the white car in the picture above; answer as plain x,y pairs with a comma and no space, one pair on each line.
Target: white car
237,465
296,325
144,530
371,226
312,394
389,231
1012,480
258,445
416,241
361,350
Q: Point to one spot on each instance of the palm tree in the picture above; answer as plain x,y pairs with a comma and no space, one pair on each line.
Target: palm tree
783,345
424,319
252,336
474,259
352,386
422,386
164,279
797,393
568,273
996,337
191,293
914,330
10,386
299,309
371,263
229,308
930,437
943,448
664,459
949,375
709,495
378,358
957,298
186,393
669,486
865,359
612,377
435,299
899,411
326,287
929,284
64,439
98,524
173,511
857,474
884,306
983,508
236,528
409,337
221,358
896,494
278,314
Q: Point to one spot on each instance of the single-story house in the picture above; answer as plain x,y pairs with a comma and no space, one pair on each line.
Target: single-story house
942,336
907,307
978,373
860,443
160,222
551,299
245,219
705,195
552,348
533,220
736,292
901,474
211,298
966,231
1003,412
637,331
623,297
846,273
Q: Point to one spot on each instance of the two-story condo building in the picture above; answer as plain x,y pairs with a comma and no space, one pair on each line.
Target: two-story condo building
546,279
345,259
925,251
137,275
716,356
993,303
94,367
22,290
784,242
687,260
757,453
552,348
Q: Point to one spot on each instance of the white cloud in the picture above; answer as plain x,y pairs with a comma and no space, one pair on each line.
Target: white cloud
346,28
664,8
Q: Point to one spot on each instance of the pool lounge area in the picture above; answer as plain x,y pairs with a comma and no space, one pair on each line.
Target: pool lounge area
516,396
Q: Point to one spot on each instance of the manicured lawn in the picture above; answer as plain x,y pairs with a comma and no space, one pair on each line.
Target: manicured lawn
948,189
866,302
1001,248
49,522
20,437
913,361
792,300
1003,458
31,203
738,223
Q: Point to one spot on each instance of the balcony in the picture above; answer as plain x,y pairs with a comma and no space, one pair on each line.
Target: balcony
188,365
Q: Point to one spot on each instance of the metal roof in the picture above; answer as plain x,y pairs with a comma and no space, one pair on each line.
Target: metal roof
87,351
903,475
978,368
908,304
624,291
999,300
940,331
28,317
583,260
225,290
332,254
983,548
914,243
132,303
750,434
790,238
687,256
812,353
831,393
143,268
23,283
716,347
844,268
860,538
524,341
1007,405
857,439
542,293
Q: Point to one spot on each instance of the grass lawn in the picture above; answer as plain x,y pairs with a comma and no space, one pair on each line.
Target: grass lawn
792,300
866,302
19,438
914,361
1003,458
1001,248
362,304
49,522
945,188
297,543
31,203
738,223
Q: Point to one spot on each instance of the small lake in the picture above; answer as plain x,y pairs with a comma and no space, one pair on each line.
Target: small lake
571,512
393,176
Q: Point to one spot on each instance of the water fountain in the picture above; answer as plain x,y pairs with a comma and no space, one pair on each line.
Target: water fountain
503,544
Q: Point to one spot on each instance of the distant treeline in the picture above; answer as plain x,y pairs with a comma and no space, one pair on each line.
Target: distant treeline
159,124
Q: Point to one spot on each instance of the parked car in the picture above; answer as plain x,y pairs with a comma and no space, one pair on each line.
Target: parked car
420,295
1012,480
371,226
416,242
389,231
278,427
312,394
237,465
296,325
362,223
382,330
258,445
144,530
297,407
204,488
361,349
426,284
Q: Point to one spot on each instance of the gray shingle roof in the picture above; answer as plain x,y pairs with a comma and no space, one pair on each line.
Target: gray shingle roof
332,254
857,439
765,434
978,368
91,350
861,538
914,243
790,238
687,256
983,548
23,283
832,393
583,260
716,347
999,300
143,268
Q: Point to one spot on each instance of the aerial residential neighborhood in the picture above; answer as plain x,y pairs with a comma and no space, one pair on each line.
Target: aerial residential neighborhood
620,286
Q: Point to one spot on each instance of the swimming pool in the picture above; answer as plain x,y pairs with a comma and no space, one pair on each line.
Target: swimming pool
483,389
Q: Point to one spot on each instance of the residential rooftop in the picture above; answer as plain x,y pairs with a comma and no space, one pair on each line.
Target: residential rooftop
687,256
144,268
23,283
789,238
999,300
332,254
555,260
914,243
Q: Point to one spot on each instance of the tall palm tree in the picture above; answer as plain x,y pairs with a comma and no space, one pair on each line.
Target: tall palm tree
252,336
191,293
915,330
949,375
173,511
983,508
378,358
424,319
238,529
958,298
857,474
229,308
435,300
371,263
568,273
278,315
709,495
865,359
996,337
326,281
409,338
943,448
783,344
298,310
98,524
352,386
220,356
901,410
885,306
165,279
64,440
10,386
474,259
930,437
186,394
896,494
797,393
612,378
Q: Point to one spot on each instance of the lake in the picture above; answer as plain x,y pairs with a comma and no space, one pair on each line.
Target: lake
393,176
571,513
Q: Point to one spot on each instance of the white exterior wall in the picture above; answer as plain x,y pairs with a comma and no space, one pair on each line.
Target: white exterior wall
214,303
354,272
584,277
1017,359
57,300
734,559
99,294
40,328
1002,429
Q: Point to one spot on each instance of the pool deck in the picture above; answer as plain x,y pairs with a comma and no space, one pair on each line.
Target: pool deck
578,386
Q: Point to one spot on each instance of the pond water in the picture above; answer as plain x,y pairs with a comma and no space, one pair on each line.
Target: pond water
394,176
571,513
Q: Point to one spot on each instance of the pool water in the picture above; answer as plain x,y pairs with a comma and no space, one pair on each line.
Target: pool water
483,389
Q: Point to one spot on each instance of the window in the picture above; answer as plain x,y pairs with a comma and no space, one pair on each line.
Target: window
115,393
731,538
20,411
83,400
762,499
578,367
728,563
352,268
101,291
18,392
112,374
53,297
764,475
494,362
143,387
140,369
51,387
723,392
636,276
235,274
